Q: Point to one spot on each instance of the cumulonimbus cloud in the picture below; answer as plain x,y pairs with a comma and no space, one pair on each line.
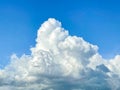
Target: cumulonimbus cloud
60,61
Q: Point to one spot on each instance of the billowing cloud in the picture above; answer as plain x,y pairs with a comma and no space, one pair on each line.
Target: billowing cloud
60,61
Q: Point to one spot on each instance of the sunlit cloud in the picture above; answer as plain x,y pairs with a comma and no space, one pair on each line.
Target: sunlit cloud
60,61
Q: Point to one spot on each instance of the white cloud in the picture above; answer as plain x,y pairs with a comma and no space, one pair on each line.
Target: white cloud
60,62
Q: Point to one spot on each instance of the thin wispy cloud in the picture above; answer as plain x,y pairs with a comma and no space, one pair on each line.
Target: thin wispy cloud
60,61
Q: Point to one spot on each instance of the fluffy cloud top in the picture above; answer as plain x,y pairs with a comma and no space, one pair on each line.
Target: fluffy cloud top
60,62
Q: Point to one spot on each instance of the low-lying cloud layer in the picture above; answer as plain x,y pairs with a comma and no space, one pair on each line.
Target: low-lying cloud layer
61,62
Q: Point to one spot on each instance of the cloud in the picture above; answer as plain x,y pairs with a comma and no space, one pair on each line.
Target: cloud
60,61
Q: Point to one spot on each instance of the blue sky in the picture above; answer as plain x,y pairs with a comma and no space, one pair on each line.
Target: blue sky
97,21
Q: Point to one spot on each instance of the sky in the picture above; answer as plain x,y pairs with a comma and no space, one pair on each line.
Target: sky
97,21
56,45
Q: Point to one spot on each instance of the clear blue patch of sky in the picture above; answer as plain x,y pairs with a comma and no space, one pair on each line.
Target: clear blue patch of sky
97,21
